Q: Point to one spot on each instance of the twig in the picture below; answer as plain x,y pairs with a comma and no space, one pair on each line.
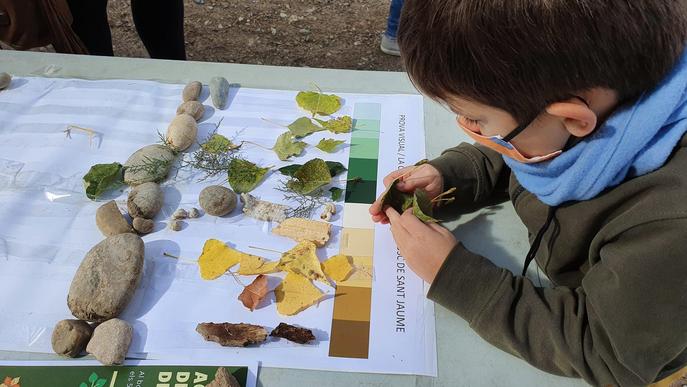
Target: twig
264,249
90,132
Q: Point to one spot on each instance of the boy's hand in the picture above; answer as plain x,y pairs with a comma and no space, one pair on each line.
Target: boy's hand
424,176
424,246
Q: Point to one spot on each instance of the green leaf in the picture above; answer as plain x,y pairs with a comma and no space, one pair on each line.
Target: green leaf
102,177
329,144
336,193
83,384
286,147
311,176
318,103
100,382
93,377
335,168
422,206
337,125
303,127
218,144
244,176
398,200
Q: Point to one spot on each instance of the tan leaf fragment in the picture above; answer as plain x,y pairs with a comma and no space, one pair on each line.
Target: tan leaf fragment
300,229
295,294
224,378
303,260
253,294
338,267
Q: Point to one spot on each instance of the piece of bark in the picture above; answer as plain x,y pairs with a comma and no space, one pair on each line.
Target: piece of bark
232,335
300,229
292,333
263,210
253,294
224,378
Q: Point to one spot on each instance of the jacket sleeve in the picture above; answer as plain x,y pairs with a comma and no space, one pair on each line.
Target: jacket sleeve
478,173
625,325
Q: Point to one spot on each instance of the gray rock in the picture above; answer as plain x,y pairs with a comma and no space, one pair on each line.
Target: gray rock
217,200
110,221
145,200
150,163
194,109
69,338
143,226
111,341
191,91
5,80
107,278
219,90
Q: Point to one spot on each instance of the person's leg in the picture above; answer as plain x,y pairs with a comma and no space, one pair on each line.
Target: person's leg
160,24
394,16
389,44
91,25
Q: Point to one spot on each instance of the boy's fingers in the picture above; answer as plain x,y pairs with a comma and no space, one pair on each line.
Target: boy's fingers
393,175
411,222
393,215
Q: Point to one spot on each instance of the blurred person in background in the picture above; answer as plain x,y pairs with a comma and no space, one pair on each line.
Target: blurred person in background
389,44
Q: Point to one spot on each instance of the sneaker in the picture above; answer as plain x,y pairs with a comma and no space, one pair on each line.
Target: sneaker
389,45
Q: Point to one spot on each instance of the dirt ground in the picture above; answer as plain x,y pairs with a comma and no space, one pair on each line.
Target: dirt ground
314,33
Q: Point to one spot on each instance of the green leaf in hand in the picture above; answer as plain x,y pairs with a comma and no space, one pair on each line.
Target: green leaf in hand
318,103
286,147
102,177
329,144
244,176
398,200
423,207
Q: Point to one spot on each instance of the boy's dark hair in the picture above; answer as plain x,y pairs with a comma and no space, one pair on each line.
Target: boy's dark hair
522,55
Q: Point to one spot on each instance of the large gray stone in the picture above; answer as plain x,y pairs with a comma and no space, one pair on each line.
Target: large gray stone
145,201
69,338
107,278
150,163
219,91
111,341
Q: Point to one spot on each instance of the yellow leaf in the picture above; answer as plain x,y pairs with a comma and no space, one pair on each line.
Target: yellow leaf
216,259
295,294
252,264
16,380
338,267
303,260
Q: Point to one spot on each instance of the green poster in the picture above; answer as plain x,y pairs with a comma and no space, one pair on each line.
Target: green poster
119,376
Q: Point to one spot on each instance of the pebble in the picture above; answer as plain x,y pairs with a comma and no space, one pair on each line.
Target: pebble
110,221
191,91
182,132
145,200
193,213
219,90
111,341
180,214
217,200
175,225
69,337
143,225
107,278
194,109
5,80
150,163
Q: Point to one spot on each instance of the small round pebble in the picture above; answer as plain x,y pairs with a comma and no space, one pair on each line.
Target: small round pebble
217,200
193,213
5,80
69,338
143,225
175,225
180,214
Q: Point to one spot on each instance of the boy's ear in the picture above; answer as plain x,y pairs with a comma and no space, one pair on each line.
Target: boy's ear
577,117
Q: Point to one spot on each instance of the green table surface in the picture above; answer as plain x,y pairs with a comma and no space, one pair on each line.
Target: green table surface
464,359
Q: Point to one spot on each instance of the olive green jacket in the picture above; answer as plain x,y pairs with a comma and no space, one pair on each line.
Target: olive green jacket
617,313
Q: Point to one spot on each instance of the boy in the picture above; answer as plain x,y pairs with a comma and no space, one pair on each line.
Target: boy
579,108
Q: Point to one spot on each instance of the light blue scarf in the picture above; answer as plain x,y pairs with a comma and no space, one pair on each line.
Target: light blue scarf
635,140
